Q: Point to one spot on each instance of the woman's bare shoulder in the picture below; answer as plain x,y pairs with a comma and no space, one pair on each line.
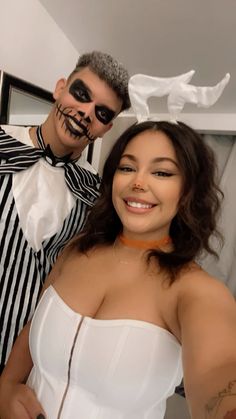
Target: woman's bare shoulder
196,281
198,289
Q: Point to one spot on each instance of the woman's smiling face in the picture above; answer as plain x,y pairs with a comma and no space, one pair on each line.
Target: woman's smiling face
147,186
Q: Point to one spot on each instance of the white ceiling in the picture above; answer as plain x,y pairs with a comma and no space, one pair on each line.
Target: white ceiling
158,37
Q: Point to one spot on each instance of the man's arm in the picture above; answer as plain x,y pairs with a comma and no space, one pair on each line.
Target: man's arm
207,315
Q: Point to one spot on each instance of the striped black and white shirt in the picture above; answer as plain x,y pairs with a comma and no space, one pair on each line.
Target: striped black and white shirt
23,268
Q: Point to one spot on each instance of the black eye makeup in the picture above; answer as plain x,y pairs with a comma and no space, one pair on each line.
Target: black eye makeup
80,91
125,168
162,173
104,114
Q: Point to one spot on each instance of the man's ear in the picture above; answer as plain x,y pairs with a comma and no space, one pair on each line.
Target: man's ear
60,85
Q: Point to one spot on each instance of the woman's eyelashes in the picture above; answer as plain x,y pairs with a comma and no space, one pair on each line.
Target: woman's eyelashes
162,173
124,168
156,173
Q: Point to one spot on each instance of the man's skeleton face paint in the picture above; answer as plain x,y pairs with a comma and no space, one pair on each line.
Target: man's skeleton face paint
76,122
81,93
72,123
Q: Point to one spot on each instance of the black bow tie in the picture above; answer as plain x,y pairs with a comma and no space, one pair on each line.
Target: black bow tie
16,156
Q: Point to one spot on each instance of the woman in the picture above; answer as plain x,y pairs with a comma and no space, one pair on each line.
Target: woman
127,312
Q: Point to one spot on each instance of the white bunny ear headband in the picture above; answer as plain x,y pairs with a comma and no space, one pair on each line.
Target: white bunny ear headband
178,92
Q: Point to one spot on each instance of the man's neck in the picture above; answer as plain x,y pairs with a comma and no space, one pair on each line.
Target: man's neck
33,136
49,138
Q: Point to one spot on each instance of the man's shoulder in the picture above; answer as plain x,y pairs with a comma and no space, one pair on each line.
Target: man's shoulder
21,133
87,166
83,162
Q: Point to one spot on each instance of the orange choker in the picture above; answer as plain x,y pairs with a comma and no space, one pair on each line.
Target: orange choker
144,244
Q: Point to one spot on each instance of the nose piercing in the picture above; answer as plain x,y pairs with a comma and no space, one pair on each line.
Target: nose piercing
137,186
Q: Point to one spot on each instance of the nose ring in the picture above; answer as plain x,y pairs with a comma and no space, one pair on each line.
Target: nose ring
137,186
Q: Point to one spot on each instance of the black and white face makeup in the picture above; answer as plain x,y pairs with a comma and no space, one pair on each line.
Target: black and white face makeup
86,106
81,92
73,123
84,109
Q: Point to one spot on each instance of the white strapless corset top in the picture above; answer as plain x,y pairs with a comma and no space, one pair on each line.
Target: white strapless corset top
87,368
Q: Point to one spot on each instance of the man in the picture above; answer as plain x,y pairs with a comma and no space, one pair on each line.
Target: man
44,199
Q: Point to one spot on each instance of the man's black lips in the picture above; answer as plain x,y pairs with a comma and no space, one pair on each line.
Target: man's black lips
67,116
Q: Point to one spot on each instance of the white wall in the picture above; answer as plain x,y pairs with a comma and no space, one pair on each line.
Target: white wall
119,126
32,46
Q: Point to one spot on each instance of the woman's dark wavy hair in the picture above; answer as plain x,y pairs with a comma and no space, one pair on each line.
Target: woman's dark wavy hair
199,204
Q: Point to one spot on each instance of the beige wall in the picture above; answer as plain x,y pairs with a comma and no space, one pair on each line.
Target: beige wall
120,124
32,46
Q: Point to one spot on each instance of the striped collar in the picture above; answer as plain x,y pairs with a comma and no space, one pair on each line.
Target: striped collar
16,156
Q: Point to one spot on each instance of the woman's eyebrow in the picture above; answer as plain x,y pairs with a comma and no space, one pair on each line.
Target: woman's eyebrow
129,156
160,159
155,160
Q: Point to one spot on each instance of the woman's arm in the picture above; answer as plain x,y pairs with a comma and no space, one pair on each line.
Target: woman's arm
207,316
17,400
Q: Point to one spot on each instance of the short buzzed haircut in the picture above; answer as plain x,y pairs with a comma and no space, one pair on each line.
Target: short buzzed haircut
109,70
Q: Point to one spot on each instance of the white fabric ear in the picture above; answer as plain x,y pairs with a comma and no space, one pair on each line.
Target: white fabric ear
205,97
141,87
179,92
